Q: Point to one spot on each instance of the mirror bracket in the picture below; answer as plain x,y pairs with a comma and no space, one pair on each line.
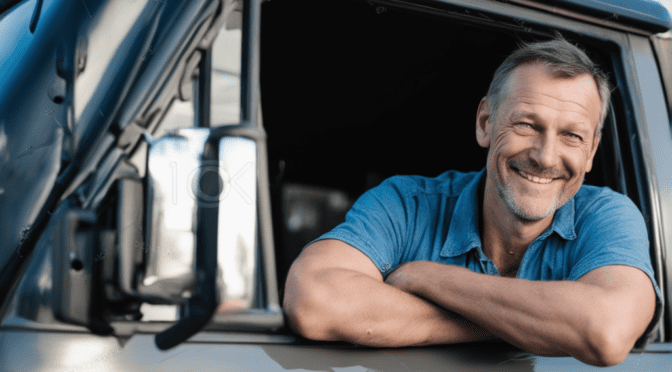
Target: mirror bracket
76,269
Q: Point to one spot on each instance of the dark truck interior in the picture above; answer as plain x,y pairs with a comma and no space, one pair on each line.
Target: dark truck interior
353,93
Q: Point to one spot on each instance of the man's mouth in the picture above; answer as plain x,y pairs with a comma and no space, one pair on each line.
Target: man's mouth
535,179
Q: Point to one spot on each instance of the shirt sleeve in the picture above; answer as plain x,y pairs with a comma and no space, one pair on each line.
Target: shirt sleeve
613,232
377,224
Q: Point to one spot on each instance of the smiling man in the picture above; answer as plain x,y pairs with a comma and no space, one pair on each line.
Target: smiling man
521,251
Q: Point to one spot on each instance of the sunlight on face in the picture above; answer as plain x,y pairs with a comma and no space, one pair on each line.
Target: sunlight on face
543,142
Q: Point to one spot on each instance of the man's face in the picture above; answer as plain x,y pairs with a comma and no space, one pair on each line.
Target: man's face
543,142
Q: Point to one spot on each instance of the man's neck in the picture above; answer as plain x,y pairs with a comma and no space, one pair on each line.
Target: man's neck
504,236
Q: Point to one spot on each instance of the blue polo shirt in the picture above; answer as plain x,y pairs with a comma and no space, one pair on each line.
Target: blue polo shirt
413,218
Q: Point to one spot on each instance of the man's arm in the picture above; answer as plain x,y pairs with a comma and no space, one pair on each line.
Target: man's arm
596,319
335,292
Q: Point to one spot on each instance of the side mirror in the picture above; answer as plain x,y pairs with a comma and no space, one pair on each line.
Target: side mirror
200,240
187,234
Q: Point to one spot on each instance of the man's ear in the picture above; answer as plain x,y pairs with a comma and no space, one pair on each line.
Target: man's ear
596,143
483,124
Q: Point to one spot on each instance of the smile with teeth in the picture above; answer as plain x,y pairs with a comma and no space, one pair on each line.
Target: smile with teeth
535,179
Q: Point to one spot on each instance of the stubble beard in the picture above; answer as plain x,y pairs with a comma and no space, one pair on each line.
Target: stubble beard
506,195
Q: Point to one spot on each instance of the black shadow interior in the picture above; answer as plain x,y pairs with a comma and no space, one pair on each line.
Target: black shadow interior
353,94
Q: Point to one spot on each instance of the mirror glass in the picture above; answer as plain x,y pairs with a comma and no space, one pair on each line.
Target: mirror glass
176,169
237,222
173,163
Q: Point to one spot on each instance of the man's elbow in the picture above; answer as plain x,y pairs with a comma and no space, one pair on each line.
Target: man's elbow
608,346
306,321
306,311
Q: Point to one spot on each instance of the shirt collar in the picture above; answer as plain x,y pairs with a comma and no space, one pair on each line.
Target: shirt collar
463,231
564,221
463,234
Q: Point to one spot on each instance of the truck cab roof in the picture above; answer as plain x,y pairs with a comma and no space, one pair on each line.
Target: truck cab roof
643,14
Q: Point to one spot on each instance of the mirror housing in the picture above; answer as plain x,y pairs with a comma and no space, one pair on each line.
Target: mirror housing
76,270
187,235
201,216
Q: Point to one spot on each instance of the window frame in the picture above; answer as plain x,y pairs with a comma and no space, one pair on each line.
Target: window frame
632,150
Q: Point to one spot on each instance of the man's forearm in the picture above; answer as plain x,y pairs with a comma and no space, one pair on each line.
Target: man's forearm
535,324
548,318
349,306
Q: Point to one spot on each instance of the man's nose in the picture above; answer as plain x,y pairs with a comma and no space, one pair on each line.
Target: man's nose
545,151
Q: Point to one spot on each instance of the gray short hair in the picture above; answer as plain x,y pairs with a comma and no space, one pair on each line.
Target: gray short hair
561,59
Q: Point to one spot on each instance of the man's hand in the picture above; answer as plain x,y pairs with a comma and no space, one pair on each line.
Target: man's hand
596,319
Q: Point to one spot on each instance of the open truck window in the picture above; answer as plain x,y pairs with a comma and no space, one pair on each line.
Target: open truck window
353,94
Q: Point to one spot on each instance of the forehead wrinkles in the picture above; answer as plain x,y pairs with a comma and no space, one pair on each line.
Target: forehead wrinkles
577,94
547,101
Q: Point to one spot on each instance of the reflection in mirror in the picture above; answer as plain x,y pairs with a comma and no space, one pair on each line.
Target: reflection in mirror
237,222
171,232
176,172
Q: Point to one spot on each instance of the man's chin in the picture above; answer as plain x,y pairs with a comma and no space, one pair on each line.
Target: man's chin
527,211
531,213
532,217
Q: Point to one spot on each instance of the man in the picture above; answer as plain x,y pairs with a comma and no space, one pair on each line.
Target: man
520,251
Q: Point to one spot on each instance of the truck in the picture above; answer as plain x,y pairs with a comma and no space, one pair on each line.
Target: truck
163,162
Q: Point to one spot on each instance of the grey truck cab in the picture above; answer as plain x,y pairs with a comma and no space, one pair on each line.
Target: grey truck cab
163,162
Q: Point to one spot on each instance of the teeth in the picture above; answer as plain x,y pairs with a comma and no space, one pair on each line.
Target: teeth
535,179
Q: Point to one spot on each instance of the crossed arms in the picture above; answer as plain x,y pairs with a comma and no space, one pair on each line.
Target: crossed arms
335,292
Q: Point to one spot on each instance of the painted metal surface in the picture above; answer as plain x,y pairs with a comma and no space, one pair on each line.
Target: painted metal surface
643,13
653,125
32,125
62,87
55,352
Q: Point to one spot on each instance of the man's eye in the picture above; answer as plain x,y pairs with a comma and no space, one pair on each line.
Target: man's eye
575,136
524,125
